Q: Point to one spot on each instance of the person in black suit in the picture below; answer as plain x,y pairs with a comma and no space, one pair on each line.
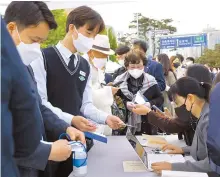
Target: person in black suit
28,30
17,104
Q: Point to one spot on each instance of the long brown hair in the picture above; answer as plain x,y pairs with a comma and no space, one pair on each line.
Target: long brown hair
164,60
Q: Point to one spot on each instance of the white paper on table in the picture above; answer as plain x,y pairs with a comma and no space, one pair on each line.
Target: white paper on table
171,158
134,166
182,174
139,99
154,141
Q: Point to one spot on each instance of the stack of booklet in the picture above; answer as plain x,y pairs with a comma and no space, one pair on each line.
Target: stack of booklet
182,174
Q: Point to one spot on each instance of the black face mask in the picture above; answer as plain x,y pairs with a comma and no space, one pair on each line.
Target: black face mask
182,113
176,65
186,116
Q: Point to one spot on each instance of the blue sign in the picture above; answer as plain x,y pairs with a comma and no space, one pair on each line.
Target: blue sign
184,42
167,43
181,42
200,40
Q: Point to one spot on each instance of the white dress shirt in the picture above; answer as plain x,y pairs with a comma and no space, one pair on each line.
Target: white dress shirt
87,108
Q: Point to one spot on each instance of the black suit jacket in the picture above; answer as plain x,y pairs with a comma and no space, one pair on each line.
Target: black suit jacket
52,127
20,125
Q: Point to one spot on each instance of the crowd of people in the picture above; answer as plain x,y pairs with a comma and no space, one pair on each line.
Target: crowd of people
65,89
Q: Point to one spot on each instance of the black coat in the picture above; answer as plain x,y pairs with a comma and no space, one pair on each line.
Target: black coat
20,126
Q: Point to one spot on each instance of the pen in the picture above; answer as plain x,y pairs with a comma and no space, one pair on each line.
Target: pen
126,125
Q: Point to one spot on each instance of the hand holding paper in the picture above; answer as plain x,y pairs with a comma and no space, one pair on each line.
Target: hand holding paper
141,109
139,99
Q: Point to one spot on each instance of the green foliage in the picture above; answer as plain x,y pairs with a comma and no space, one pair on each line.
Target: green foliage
112,39
144,23
56,35
211,57
111,35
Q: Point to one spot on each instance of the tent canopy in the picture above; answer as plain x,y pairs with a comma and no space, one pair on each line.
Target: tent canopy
68,4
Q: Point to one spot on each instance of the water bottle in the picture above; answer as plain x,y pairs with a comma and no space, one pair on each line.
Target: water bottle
79,163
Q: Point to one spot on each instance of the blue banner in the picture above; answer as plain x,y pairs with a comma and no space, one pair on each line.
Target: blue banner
185,41
167,43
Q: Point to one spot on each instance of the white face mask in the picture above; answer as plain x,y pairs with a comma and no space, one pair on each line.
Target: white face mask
82,44
121,62
99,62
188,63
28,52
136,73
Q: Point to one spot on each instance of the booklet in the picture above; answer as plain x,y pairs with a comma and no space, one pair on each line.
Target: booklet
182,174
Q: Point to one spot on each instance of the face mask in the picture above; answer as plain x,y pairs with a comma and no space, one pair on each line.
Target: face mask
99,62
82,44
28,52
186,116
188,63
176,65
121,62
182,113
136,73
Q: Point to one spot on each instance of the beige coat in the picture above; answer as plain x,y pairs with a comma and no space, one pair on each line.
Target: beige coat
170,80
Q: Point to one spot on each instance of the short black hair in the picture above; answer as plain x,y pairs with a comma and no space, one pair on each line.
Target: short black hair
191,59
123,49
142,44
189,85
27,13
135,56
200,73
180,57
85,15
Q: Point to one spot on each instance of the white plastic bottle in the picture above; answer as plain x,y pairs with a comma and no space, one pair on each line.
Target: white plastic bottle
79,164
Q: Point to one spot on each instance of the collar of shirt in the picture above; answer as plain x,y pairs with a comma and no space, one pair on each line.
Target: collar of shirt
66,53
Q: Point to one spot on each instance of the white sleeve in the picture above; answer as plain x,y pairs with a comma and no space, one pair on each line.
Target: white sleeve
88,109
40,77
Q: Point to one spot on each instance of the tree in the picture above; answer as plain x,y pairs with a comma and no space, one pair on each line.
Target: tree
146,24
111,35
112,39
211,57
56,35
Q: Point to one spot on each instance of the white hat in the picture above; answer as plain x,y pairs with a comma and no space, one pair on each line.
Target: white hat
101,44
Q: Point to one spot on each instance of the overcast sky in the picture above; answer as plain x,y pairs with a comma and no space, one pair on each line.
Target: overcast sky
189,16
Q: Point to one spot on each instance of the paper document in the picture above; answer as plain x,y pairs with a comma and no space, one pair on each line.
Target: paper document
139,99
154,141
182,174
153,158
134,166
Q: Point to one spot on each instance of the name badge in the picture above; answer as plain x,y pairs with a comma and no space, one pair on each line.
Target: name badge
82,73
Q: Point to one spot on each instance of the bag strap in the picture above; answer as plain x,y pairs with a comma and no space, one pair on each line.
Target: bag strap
174,75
